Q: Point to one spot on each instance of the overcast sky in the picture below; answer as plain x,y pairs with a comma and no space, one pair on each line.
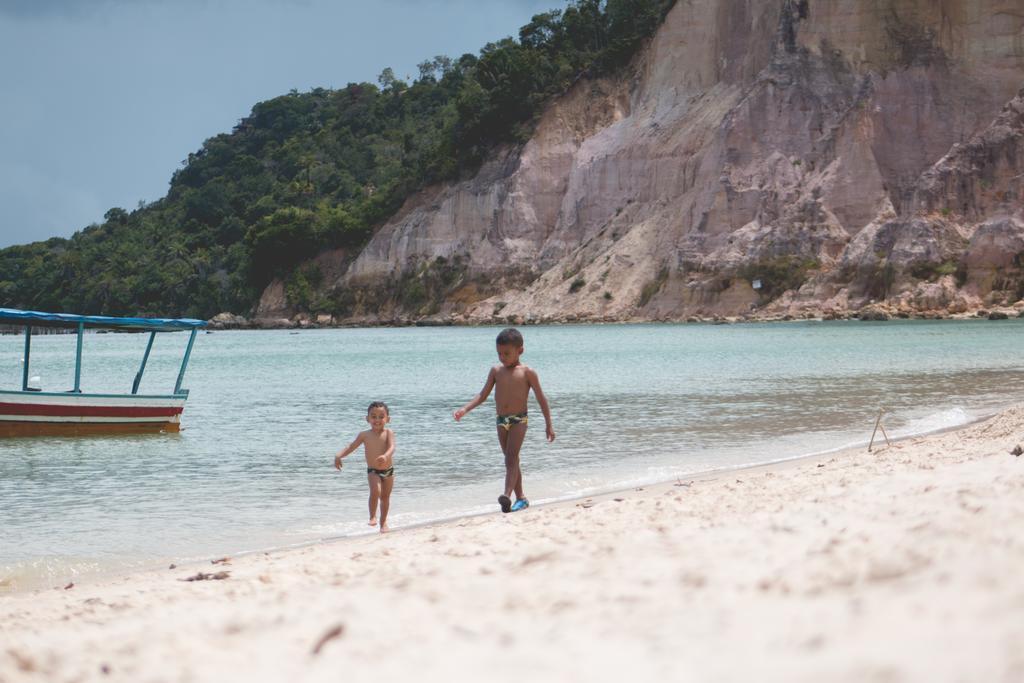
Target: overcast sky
101,100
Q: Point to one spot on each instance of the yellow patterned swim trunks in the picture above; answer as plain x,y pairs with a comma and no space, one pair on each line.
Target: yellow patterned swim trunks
507,421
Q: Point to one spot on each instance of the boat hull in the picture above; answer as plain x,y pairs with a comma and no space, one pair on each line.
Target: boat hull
41,414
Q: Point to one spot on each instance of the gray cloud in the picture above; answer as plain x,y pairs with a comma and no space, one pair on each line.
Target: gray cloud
45,8
29,9
83,8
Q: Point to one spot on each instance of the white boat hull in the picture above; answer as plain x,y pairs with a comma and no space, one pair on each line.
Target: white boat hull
29,413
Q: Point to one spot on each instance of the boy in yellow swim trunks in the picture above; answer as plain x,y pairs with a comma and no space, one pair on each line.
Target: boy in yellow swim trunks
512,382
379,446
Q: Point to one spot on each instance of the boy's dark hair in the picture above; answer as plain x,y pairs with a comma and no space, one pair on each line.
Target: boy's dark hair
510,336
378,404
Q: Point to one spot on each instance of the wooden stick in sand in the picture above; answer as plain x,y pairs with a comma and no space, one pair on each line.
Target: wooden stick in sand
878,424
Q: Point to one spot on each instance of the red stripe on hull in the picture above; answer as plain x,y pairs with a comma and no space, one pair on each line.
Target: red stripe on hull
87,411
84,428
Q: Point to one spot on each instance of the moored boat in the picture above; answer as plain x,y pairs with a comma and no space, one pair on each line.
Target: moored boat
31,412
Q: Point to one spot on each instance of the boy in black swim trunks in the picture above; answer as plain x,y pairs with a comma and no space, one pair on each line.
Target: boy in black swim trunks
512,382
379,447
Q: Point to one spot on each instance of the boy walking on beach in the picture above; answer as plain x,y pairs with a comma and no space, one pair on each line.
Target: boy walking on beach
512,382
379,447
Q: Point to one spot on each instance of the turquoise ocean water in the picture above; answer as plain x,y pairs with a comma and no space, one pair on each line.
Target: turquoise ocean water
632,404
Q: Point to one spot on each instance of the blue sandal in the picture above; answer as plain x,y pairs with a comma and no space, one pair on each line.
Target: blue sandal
520,504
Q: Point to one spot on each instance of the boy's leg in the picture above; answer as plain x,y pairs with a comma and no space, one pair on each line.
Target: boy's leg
386,484
503,499
374,481
511,443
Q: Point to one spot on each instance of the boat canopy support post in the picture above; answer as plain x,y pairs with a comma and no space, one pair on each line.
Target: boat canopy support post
24,362
145,359
78,359
184,364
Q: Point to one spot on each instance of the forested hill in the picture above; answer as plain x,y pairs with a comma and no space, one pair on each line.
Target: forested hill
311,171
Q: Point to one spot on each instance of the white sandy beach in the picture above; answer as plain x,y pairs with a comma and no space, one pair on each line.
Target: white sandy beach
906,564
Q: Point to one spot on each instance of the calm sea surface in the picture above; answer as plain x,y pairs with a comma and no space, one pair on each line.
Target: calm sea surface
253,466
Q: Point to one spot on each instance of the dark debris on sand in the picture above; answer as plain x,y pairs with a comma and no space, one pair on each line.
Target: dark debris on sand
208,576
330,634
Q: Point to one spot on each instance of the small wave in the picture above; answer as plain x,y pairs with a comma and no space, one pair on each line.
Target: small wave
938,421
48,573
348,529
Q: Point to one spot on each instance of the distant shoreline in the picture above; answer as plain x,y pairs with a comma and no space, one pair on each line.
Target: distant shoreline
232,322
228,321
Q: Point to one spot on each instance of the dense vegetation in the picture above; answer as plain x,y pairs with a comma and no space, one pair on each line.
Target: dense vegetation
310,171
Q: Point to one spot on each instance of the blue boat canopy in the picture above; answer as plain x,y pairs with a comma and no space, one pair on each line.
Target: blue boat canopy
13,316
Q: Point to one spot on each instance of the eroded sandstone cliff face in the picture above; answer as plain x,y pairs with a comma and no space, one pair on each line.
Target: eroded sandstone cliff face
766,156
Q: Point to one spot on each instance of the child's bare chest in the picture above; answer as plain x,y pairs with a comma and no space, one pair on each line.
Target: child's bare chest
509,383
374,443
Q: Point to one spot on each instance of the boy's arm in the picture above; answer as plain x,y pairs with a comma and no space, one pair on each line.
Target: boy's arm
534,380
347,451
389,439
479,398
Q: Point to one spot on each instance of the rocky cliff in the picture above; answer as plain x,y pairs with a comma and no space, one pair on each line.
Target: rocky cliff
761,157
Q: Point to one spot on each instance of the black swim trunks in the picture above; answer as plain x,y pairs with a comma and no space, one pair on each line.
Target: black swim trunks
383,474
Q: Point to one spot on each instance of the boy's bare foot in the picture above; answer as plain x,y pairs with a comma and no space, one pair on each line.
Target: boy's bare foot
384,528
505,502
373,521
